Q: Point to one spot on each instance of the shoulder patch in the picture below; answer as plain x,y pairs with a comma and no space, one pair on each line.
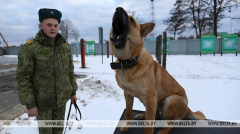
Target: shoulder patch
29,42
20,61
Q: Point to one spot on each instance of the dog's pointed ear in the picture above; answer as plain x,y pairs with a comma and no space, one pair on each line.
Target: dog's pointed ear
146,28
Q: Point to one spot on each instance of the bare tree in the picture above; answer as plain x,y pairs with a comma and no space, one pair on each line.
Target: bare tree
66,28
136,16
219,7
177,21
76,34
237,19
199,15
182,37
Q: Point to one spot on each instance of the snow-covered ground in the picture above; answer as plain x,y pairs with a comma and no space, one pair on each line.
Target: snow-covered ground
212,84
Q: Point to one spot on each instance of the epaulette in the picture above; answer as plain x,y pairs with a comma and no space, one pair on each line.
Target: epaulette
67,43
29,42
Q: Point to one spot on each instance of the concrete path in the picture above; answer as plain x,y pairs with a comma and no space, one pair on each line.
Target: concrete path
10,106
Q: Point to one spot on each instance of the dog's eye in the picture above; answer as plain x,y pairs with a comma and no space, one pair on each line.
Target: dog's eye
132,20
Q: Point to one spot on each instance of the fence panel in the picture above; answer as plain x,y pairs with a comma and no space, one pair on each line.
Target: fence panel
191,46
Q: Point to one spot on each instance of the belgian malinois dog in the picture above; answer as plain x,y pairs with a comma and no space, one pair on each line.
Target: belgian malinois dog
142,77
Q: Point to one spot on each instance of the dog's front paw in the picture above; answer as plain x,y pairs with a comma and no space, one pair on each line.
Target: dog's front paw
140,117
125,127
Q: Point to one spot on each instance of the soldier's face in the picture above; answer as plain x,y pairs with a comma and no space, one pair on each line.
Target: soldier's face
50,27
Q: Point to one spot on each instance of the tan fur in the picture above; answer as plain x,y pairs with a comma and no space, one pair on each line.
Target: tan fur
150,83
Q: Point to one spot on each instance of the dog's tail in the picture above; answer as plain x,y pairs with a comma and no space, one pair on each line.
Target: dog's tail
194,115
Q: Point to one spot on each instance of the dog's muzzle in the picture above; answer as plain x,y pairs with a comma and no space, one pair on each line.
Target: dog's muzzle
119,28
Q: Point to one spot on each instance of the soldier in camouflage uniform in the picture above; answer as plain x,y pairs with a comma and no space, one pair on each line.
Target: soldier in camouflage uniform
45,72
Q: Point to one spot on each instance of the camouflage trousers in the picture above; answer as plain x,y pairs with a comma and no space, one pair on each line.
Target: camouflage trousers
51,114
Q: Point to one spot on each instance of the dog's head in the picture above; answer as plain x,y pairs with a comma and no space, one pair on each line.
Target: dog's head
126,35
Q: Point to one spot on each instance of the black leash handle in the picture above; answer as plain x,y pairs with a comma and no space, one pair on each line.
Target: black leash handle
77,109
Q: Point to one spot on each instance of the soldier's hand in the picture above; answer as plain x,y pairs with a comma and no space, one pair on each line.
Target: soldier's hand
73,98
33,112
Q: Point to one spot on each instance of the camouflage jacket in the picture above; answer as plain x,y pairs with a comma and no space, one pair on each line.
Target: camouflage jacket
45,74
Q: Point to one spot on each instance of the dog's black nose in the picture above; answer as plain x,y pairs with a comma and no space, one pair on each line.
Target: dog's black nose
119,9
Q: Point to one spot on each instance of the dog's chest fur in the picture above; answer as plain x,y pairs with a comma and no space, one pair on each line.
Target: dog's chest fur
133,87
135,81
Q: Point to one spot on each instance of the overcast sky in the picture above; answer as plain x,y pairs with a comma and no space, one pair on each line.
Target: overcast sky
19,18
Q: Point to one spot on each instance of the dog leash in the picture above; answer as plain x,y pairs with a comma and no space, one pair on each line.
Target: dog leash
77,109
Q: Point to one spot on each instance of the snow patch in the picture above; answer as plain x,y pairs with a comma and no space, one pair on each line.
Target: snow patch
91,88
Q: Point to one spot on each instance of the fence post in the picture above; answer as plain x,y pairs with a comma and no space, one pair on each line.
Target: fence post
158,48
76,44
164,48
100,31
200,46
157,52
83,53
221,44
107,49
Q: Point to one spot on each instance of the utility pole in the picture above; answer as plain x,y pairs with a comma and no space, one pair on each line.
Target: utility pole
152,19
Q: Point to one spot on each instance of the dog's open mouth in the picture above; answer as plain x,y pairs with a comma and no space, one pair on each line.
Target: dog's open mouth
119,28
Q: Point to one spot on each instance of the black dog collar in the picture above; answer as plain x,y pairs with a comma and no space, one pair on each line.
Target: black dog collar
125,64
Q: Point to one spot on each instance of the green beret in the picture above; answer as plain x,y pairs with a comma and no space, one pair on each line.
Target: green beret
45,13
